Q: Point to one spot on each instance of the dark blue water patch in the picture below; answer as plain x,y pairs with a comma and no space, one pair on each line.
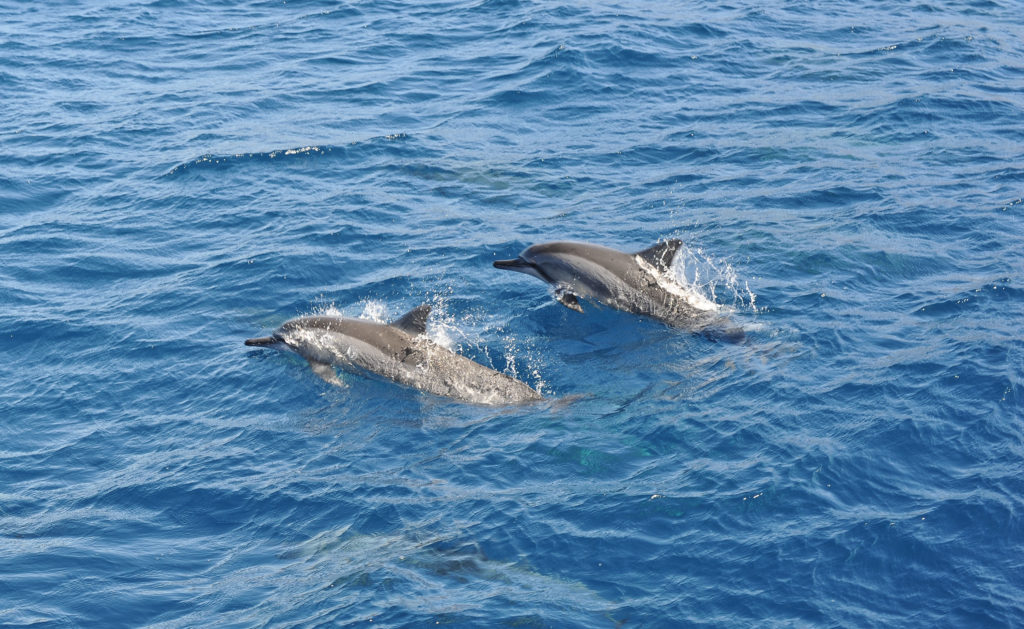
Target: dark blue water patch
902,120
660,155
998,292
27,197
1009,174
883,267
802,113
820,199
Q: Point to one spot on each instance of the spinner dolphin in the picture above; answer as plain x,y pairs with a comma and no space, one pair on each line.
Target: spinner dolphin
398,351
624,281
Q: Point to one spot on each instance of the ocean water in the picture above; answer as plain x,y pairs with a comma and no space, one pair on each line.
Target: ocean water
846,177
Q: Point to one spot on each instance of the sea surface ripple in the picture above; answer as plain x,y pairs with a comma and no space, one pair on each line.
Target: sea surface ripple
846,177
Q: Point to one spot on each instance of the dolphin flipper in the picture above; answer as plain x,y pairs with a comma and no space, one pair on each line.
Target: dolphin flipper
568,300
326,373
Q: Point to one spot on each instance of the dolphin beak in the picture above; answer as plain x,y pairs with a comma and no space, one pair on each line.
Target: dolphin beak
264,341
517,264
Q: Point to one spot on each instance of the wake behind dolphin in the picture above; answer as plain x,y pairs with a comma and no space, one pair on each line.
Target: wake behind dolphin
398,351
628,282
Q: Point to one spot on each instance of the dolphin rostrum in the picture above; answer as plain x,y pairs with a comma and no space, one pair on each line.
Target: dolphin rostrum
397,351
636,283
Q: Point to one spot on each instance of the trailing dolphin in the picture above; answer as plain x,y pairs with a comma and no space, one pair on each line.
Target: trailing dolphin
631,282
397,351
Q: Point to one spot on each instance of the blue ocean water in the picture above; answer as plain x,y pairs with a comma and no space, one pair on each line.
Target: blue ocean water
846,177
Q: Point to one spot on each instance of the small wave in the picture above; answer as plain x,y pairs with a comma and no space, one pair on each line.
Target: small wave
211,160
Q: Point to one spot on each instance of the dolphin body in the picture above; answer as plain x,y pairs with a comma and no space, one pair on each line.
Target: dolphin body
618,280
397,351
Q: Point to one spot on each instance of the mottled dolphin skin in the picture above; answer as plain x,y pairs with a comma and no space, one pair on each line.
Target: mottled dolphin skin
618,280
398,351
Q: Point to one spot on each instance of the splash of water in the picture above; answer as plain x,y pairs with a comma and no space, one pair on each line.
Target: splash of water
444,328
469,334
374,310
706,283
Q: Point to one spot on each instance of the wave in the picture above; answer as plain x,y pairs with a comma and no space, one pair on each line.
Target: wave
355,150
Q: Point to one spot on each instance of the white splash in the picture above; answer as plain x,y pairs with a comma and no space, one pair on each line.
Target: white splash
443,328
706,283
672,284
472,333
374,310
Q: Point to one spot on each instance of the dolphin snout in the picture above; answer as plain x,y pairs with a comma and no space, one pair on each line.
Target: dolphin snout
263,341
511,265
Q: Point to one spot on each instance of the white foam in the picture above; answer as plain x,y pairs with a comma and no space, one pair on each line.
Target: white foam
706,283
672,284
374,310
473,333
443,329
324,308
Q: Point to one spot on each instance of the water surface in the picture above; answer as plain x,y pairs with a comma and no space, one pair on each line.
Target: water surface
847,180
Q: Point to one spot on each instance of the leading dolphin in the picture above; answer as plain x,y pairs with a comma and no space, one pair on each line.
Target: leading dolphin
623,281
398,351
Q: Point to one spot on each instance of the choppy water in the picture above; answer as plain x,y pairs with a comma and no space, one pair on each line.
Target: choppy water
847,179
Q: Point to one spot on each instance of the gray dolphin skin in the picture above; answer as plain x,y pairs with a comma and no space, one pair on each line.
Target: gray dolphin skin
398,351
617,279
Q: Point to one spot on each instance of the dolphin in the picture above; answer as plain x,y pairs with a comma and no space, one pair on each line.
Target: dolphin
398,351
630,282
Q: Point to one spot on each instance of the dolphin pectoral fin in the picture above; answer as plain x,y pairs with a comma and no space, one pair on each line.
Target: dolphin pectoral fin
326,373
568,300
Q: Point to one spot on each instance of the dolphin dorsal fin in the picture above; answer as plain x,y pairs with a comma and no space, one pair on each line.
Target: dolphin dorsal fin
660,256
413,322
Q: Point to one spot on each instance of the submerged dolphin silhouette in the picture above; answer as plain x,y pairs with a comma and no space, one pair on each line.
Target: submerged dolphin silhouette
397,351
618,280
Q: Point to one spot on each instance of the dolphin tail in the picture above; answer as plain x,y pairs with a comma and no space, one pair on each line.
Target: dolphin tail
262,341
